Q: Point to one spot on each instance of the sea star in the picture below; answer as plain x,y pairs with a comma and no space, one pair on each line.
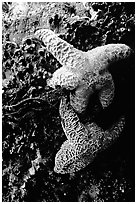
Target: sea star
83,141
83,72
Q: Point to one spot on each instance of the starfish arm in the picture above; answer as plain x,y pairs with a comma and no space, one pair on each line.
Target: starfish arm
102,56
71,124
93,128
70,158
99,139
61,157
103,84
97,77
65,53
64,78
64,158
115,52
105,138
106,94
79,98
73,157
113,133
81,66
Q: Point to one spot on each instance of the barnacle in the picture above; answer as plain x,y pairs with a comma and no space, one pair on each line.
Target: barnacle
84,72
83,141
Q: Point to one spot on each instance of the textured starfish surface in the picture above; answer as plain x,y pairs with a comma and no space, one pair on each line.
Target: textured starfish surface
83,141
83,72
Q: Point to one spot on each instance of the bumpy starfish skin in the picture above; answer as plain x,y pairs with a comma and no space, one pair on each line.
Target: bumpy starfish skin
83,141
69,57
71,125
83,72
